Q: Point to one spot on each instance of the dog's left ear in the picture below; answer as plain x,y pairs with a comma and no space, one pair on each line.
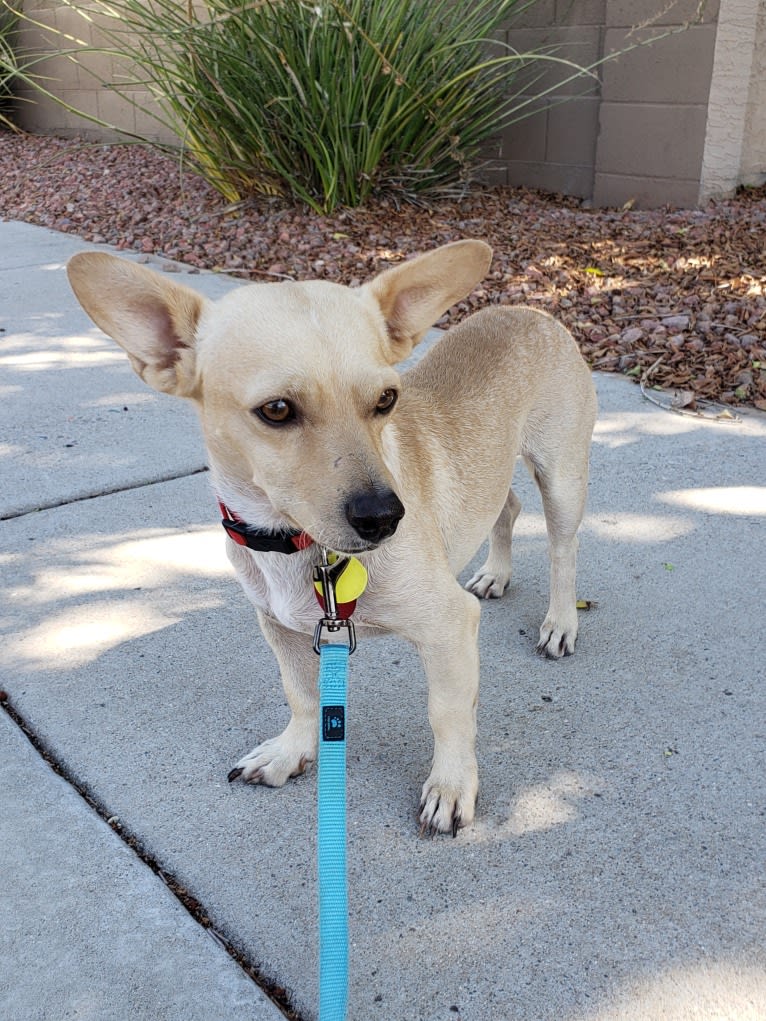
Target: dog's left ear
414,294
153,319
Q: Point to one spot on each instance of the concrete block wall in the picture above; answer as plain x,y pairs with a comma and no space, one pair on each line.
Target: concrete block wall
654,99
753,160
637,133
82,84
553,148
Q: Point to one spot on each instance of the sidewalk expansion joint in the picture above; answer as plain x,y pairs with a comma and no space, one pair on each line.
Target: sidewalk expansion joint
83,497
276,993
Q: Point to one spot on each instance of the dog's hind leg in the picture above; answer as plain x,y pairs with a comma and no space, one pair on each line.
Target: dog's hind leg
276,760
563,488
494,576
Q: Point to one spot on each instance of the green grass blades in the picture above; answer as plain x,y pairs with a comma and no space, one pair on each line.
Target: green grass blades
327,102
9,63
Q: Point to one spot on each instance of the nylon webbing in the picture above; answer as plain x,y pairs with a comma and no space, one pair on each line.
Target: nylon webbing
331,835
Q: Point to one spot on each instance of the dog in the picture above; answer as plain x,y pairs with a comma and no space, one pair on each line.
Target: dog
312,434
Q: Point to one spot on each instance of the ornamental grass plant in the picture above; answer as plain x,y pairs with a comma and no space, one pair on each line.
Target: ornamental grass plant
328,102
9,64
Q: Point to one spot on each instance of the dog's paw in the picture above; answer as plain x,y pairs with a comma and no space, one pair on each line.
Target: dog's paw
557,638
273,762
489,584
446,808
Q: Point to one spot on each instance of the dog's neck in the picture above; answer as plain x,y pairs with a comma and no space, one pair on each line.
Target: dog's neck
263,540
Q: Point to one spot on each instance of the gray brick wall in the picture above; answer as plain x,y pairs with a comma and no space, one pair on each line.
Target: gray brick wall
653,112
638,133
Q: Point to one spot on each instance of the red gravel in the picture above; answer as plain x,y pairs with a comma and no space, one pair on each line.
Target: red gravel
680,293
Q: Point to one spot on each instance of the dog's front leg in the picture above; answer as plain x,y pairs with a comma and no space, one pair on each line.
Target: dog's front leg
451,660
276,760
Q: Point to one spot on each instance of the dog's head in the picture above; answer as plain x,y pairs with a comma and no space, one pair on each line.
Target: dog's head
294,382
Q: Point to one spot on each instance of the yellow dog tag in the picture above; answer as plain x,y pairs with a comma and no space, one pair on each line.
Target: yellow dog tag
350,584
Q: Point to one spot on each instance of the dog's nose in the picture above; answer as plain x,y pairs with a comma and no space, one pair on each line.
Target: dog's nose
374,514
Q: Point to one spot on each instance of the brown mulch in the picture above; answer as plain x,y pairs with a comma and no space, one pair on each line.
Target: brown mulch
676,298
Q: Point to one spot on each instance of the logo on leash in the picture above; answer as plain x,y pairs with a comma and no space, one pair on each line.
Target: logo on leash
333,723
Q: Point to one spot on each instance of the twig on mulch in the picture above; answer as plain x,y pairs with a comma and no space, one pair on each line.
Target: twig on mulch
685,402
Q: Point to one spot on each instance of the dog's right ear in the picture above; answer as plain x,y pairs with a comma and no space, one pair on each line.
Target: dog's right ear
154,320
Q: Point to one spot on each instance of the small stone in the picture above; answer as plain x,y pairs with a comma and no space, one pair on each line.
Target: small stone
675,324
748,340
633,335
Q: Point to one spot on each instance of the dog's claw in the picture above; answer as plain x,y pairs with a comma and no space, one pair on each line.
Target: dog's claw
429,827
272,763
253,778
489,584
544,649
565,647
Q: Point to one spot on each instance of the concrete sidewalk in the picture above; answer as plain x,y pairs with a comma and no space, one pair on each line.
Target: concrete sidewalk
617,867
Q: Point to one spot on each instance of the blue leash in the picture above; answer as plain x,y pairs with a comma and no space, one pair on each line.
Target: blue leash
331,838
331,807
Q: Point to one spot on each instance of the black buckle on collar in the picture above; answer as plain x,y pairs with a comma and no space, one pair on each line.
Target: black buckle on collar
259,539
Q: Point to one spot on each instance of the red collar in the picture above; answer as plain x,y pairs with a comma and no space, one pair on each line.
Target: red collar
262,539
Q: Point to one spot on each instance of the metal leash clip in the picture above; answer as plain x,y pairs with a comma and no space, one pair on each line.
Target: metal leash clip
327,574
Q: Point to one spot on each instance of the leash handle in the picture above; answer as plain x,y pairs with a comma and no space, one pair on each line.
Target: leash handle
331,833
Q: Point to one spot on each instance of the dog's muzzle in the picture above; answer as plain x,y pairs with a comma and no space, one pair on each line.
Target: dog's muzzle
375,514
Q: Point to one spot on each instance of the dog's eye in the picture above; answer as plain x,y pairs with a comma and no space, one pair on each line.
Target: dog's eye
386,401
276,412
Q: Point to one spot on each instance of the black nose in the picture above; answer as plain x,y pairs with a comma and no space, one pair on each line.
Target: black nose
374,514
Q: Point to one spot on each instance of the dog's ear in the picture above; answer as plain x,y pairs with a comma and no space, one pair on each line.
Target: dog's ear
414,294
154,320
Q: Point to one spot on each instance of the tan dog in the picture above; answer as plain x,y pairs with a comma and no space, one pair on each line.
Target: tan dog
310,429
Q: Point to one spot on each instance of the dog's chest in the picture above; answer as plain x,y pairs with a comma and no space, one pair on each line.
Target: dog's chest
281,586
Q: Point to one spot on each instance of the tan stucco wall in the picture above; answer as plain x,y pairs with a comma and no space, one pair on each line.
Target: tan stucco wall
735,142
753,170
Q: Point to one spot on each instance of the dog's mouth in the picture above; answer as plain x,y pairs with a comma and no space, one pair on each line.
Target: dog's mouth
349,549
363,523
355,551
